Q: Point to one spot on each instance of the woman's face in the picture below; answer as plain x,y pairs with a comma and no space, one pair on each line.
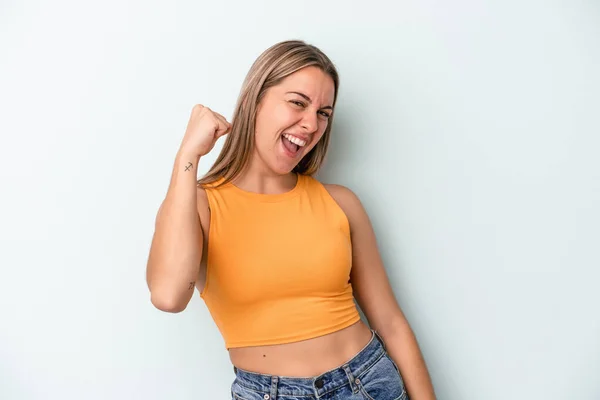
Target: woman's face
292,118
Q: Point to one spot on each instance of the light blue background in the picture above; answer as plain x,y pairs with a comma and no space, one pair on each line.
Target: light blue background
470,130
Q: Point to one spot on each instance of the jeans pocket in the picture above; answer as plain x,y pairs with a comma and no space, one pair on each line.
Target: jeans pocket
383,381
239,392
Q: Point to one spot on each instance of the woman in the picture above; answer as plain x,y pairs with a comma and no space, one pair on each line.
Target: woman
277,256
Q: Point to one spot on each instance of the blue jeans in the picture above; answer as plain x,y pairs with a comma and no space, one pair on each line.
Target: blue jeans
370,375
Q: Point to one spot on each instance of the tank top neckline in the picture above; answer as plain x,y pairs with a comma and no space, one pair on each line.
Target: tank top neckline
271,197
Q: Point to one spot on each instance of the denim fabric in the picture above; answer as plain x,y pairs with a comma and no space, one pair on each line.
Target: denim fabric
370,375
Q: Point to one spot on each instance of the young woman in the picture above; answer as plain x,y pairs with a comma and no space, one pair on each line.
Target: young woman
277,256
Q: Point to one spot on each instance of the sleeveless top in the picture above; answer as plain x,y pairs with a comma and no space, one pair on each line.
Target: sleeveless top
278,265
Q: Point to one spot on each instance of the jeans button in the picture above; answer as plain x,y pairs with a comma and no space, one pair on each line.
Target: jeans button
319,383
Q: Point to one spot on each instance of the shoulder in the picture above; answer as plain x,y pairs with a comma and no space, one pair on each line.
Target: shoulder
202,204
341,193
201,196
348,201
205,192
202,189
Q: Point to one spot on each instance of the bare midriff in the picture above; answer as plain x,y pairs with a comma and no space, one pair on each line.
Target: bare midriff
306,358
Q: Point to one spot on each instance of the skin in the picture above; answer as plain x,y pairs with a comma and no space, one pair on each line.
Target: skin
270,172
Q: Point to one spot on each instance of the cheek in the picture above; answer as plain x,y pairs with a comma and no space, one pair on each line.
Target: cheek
284,117
323,127
279,118
264,130
317,138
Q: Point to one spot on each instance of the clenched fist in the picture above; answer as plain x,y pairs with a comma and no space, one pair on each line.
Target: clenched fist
204,128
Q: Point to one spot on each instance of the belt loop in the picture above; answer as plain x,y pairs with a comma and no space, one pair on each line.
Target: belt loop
353,383
274,381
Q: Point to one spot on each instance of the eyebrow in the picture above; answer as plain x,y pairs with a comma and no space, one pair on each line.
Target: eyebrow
309,100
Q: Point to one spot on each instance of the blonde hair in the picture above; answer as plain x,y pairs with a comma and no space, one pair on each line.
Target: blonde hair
269,69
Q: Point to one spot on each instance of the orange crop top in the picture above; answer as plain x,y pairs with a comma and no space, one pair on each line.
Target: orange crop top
278,265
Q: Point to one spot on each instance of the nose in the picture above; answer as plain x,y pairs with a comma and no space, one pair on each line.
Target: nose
309,122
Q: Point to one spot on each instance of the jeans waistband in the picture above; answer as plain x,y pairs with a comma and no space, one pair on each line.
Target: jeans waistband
345,374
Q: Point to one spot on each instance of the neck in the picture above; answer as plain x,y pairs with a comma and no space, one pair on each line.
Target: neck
261,179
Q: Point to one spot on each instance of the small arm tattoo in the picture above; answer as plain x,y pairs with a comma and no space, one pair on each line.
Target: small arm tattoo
191,285
189,166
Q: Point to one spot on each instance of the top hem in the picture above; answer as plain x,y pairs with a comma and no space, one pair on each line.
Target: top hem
293,339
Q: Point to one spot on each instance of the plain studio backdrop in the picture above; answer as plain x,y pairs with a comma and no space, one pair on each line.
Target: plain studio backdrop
470,130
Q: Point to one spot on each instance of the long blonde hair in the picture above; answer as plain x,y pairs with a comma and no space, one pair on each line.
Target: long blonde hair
269,69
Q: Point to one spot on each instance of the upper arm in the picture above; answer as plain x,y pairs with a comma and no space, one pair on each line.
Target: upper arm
370,282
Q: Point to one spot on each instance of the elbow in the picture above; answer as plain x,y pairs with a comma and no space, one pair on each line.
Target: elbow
168,302
393,325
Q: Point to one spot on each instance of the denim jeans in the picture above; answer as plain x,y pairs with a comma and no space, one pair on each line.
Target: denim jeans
370,375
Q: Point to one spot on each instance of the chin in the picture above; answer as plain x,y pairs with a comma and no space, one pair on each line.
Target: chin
281,167
283,170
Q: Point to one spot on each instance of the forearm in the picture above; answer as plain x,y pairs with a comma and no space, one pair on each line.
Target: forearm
403,348
176,248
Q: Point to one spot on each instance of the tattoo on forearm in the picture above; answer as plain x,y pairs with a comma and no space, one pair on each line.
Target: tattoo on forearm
191,285
189,166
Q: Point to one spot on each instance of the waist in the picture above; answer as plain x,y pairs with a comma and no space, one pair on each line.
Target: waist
303,358
316,383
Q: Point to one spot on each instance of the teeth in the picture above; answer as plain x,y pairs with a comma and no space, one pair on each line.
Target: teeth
295,140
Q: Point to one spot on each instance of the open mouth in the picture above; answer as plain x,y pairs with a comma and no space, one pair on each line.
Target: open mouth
292,144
